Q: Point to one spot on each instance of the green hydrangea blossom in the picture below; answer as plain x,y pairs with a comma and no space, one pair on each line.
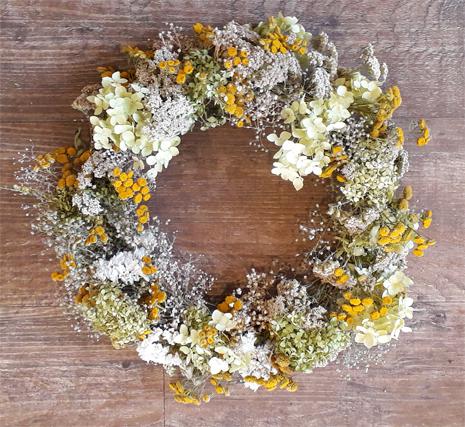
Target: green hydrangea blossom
114,314
311,348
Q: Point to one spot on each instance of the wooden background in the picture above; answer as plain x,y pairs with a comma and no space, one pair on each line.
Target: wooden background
225,204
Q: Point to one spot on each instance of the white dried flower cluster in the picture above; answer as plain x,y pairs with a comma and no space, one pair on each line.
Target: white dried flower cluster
173,116
155,348
306,148
372,173
87,204
125,267
99,165
371,65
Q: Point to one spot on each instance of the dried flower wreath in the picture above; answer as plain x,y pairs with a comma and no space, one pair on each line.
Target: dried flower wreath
119,273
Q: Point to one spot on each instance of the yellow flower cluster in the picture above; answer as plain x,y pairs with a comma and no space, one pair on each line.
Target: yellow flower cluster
220,389
143,217
230,304
234,57
155,297
127,188
428,219
181,395
204,33
174,66
422,245
84,295
425,137
281,381
354,306
277,42
138,190
95,234
398,234
388,104
135,52
66,263
44,161
341,276
282,362
71,161
236,100
148,268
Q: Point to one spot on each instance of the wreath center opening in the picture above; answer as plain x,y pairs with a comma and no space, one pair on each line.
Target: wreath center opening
225,205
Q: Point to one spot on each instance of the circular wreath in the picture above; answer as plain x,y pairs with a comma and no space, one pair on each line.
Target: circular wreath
120,275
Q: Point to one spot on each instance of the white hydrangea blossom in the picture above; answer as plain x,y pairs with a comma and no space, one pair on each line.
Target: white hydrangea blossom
366,89
192,353
140,121
125,266
165,150
305,149
153,349
218,365
383,330
256,360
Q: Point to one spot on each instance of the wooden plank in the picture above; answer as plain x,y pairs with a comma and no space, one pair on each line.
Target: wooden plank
54,376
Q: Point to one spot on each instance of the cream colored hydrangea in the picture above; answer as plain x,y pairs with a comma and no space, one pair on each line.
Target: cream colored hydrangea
125,123
165,150
368,90
369,335
397,283
125,117
222,321
373,332
305,150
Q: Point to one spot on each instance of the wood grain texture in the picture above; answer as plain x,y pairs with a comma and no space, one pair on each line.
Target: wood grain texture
225,204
